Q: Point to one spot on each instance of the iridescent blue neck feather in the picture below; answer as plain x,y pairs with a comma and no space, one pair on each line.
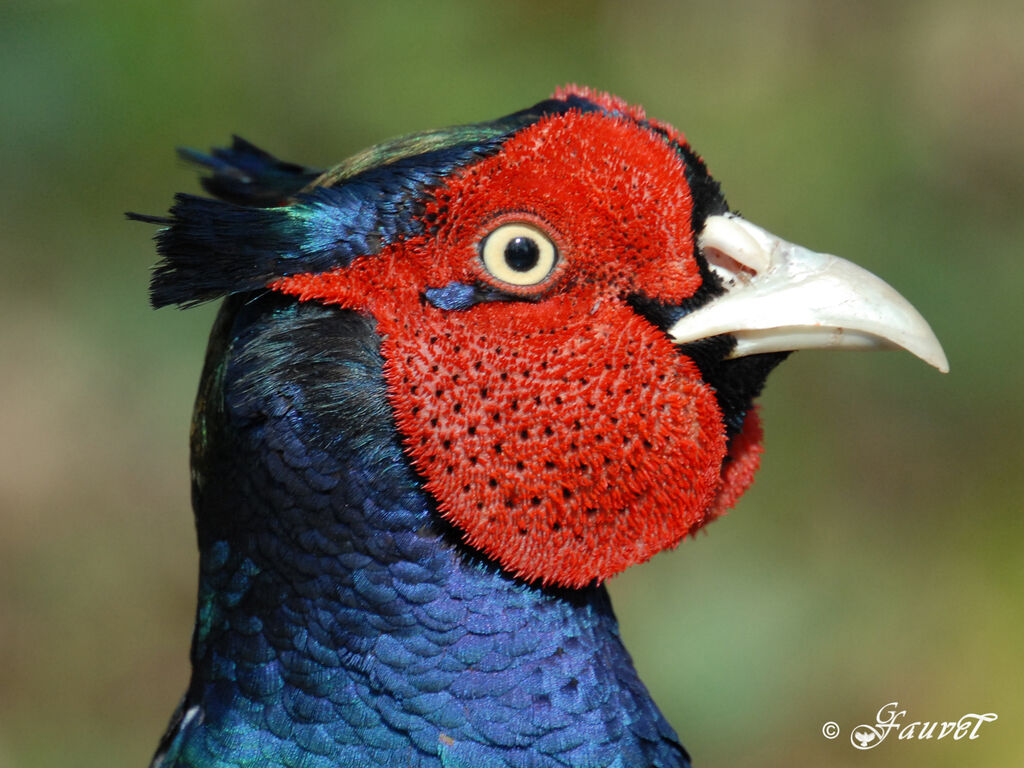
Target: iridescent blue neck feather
340,622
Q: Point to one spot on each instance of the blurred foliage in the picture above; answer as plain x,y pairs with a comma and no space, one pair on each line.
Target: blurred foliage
876,559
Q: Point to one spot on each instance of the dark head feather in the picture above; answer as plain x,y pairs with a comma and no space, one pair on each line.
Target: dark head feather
273,219
245,174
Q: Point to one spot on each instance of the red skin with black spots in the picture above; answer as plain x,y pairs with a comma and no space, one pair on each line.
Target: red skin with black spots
563,434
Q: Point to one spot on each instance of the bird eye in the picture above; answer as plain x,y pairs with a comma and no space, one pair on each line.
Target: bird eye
519,254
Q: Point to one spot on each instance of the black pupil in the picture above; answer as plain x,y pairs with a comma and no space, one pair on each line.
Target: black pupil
522,254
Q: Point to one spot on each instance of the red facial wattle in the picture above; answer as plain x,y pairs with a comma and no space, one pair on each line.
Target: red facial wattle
567,447
560,431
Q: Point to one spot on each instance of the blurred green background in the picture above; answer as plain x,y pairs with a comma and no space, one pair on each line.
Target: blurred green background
878,557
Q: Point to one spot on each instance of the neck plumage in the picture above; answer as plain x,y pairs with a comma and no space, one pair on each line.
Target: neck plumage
340,620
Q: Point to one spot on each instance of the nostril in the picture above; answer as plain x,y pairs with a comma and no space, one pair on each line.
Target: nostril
731,249
727,268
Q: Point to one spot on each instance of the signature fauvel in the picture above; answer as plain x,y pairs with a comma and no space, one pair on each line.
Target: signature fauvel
891,718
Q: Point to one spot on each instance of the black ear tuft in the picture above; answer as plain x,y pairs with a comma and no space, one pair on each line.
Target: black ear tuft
245,174
211,248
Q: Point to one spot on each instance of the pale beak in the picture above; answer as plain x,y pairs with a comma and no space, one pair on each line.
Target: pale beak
781,297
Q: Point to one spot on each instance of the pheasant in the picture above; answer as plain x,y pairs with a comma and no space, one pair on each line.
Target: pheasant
456,383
